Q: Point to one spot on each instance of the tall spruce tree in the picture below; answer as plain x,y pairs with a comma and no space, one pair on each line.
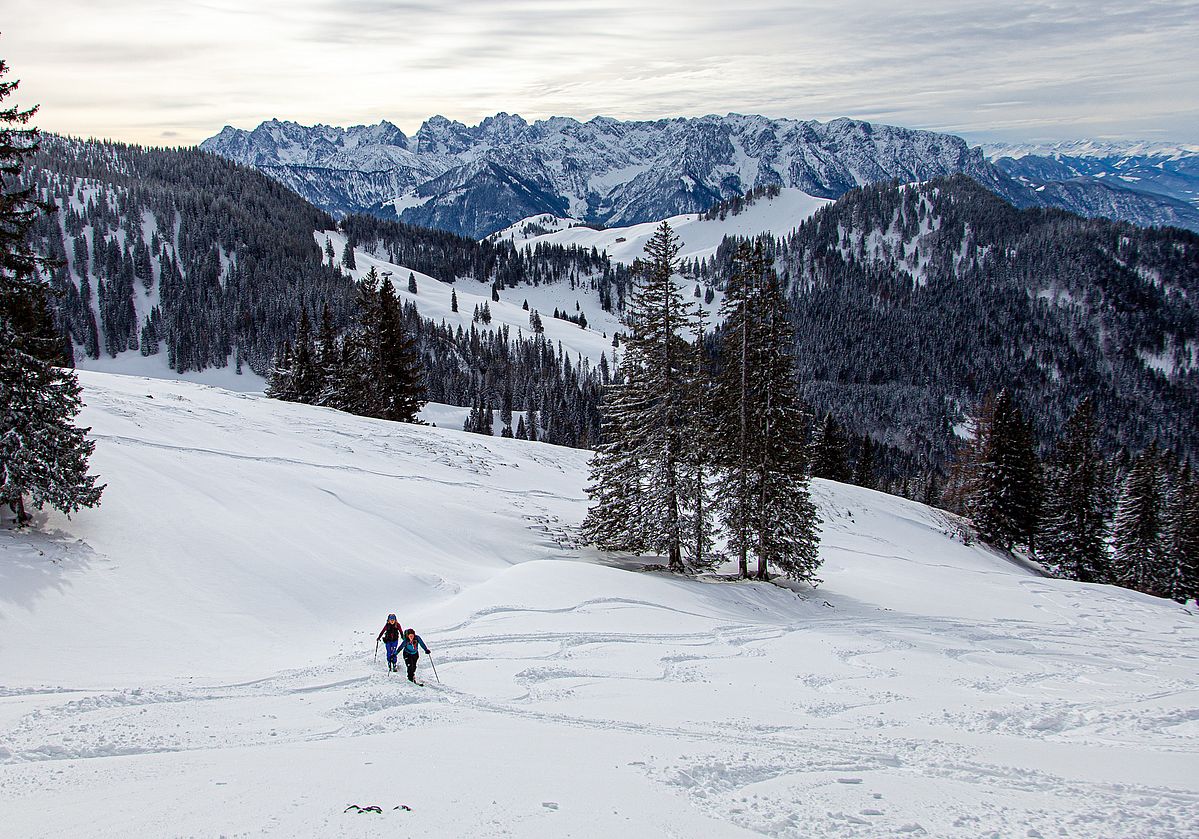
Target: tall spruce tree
43,455
863,469
1073,539
1183,537
761,428
1005,499
646,417
1138,556
698,453
399,378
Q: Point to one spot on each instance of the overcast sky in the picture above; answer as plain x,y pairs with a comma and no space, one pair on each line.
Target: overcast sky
154,71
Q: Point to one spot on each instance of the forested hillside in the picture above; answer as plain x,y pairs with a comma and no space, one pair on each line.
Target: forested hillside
178,251
912,302
181,252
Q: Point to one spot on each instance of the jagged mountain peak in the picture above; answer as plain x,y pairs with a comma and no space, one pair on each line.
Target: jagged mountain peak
610,171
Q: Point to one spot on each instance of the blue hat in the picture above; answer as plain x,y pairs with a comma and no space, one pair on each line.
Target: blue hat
391,617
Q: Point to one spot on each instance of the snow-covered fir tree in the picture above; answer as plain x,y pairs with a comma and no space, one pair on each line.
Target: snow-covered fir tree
1182,537
642,460
1004,495
43,455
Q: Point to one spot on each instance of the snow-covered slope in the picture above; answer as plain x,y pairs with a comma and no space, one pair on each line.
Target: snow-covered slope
196,657
434,300
699,237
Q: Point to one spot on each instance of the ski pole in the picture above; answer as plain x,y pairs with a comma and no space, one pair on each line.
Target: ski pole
376,651
434,666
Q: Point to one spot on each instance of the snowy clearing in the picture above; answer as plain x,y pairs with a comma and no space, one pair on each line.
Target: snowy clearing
699,238
196,657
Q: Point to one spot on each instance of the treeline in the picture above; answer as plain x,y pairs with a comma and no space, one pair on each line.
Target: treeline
912,302
1126,521
738,203
449,257
390,360
371,369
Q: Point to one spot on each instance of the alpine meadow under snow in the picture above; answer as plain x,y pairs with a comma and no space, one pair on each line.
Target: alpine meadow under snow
195,657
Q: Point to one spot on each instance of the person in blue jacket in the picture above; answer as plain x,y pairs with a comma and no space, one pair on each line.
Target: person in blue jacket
411,654
390,633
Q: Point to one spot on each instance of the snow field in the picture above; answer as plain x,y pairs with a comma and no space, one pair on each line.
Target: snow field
195,658
434,301
699,238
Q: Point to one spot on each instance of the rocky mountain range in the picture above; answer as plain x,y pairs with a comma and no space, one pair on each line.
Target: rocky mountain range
478,179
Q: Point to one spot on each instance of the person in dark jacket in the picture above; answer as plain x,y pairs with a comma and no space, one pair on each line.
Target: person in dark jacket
411,654
390,633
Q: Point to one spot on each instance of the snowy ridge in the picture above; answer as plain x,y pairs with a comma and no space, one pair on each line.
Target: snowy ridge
1092,148
228,593
699,237
478,179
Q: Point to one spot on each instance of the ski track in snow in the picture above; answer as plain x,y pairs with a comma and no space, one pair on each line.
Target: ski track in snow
925,689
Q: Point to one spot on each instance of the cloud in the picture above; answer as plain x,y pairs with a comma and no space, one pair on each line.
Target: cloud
134,69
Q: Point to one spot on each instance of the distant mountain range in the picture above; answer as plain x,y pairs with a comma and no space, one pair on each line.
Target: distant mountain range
1127,171
478,179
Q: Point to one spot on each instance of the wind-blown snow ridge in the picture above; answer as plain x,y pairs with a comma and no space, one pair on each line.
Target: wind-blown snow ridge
202,645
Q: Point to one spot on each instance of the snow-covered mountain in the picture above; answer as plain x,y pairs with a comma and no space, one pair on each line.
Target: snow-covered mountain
195,657
1094,149
1122,171
482,178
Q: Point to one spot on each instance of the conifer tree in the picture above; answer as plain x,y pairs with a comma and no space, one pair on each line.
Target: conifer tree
1138,555
305,374
43,455
698,455
411,283
279,382
1005,499
453,300
761,428
327,357
615,520
638,487
347,256
829,457
1183,537
398,373
1073,538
